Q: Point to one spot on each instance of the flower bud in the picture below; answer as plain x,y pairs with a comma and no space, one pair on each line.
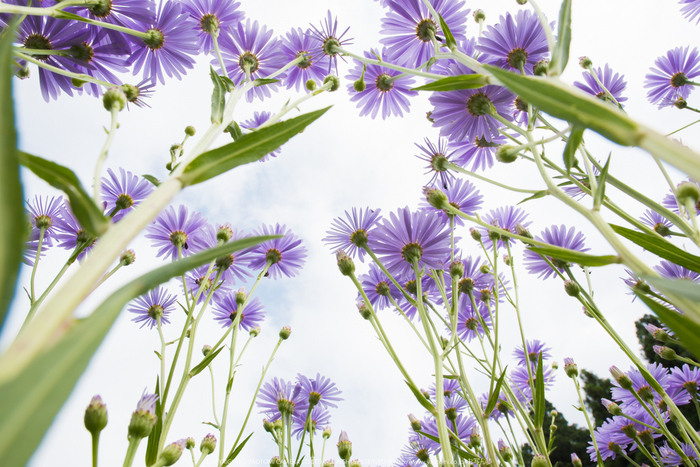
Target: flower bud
507,260
425,393
240,296
285,332
667,353
335,82
659,334
555,366
208,444
224,233
355,463
189,130
329,463
575,460
585,62
506,153
311,85
436,198
127,258
190,443
276,462
278,425
570,368
622,379
359,85
645,437
254,332
268,426
22,73
476,235
415,423
344,446
521,2
456,269
505,451
629,430
144,417
688,192
479,15
522,231
484,269
345,263
327,432
680,103
475,438
172,452
206,350
466,285
114,98
95,416
494,236
538,460
541,68
364,310
572,289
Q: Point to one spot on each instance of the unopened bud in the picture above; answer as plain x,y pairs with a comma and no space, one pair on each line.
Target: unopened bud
522,231
327,432
570,368
359,85
476,235
254,332
224,233
575,460
479,15
276,462
622,379
311,85
335,82
688,192
344,446
172,452
268,426
667,353
114,98
456,269
127,258
415,423
585,62
206,350
285,332
190,131
435,197
659,334
538,460
541,68
329,463
572,289
475,438
22,73
95,416
208,443
355,463
364,310
680,103
506,154
507,260
505,451
190,443
345,263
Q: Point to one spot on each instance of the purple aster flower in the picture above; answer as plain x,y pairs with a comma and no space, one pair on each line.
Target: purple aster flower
44,212
318,418
468,322
147,403
197,279
378,288
430,293
302,44
169,46
285,255
252,49
521,378
175,228
670,81
235,263
671,457
418,447
463,427
133,14
465,114
382,90
615,83
454,402
70,234
124,192
610,441
685,378
557,236
137,93
480,152
277,395
515,43
210,17
352,234
661,375
406,237
463,195
672,271
690,9
327,38
477,280
506,218
320,390
502,408
154,304
438,158
226,308
48,33
258,119
656,221
410,28
99,57
534,348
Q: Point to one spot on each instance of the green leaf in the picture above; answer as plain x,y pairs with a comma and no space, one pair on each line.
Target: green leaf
576,257
461,452
493,398
538,400
572,145
60,14
84,208
154,437
686,330
12,227
421,399
264,81
29,402
454,83
599,195
151,179
539,194
249,148
449,38
562,101
660,247
560,55
205,362
682,287
234,130
230,85
218,97
235,451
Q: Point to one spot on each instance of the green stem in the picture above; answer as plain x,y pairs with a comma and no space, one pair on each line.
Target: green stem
213,396
303,433
488,180
217,50
294,105
588,422
95,447
97,185
42,232
229,383
60,71
162,354
107,276
683,128
131,451
391,66
35,306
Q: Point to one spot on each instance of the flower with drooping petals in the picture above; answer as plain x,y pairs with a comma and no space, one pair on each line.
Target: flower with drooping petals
328,38
557,236
506,218
353,234
258,119
480,152
157,303
463,195
670,81
320,390
43,213
670,270
298,43
225,310
70,234
175,229
615,83
124,192
285,255
656,221
209,17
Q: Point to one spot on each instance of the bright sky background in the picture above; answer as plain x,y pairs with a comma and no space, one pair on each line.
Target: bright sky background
339,162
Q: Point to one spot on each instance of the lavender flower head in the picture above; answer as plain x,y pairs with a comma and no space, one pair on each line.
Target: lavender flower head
70,234
198,283
685,379
147,403
691,9
277,396
671,457
506,218
225,311
298,43
670,270
209,17
251,50
317,419
354,232
155,304
463,195
557,236
328,39
615,83
132,14
124,192
284,255
378,287
438,159
515,43
656,221
43,213
669,82
411,29
534,348
319,391
469,324
478,151
671,203
174,229
382,90
412,236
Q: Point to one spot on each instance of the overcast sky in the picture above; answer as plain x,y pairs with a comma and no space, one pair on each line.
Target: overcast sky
339,162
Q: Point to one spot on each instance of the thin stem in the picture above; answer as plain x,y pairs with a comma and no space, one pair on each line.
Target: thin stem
213,397
159,325
107,276
97,185
95,447
42,232
60,71
35,306
588,422
683,128
370,61
229,383
295,105
217,50
131,451
456,168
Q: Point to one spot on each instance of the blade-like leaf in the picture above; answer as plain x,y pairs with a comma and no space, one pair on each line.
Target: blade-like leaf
572,145
151,179
249,148
599,195
576,107
264,81
235,451
12,233
154,437
234,130
421,399
453,83
660,247
462,453
218,97
539,194
560,55
493,398
538,400
85,210
205,362
575,257
449,38
686,330
682,287
29,402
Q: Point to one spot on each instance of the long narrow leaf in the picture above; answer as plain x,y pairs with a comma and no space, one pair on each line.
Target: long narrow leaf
454,83
575,257
572,145
154,437
493,398
539,401
660,247
560,55
599,195
449,38
218,97
682,287
235,451
421,399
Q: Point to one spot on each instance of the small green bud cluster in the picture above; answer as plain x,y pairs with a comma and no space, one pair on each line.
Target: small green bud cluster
622,379
572,288
479,15
335,82
667,353
611,407
95,416
345,263
285,332
585,62
208,444
364,310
